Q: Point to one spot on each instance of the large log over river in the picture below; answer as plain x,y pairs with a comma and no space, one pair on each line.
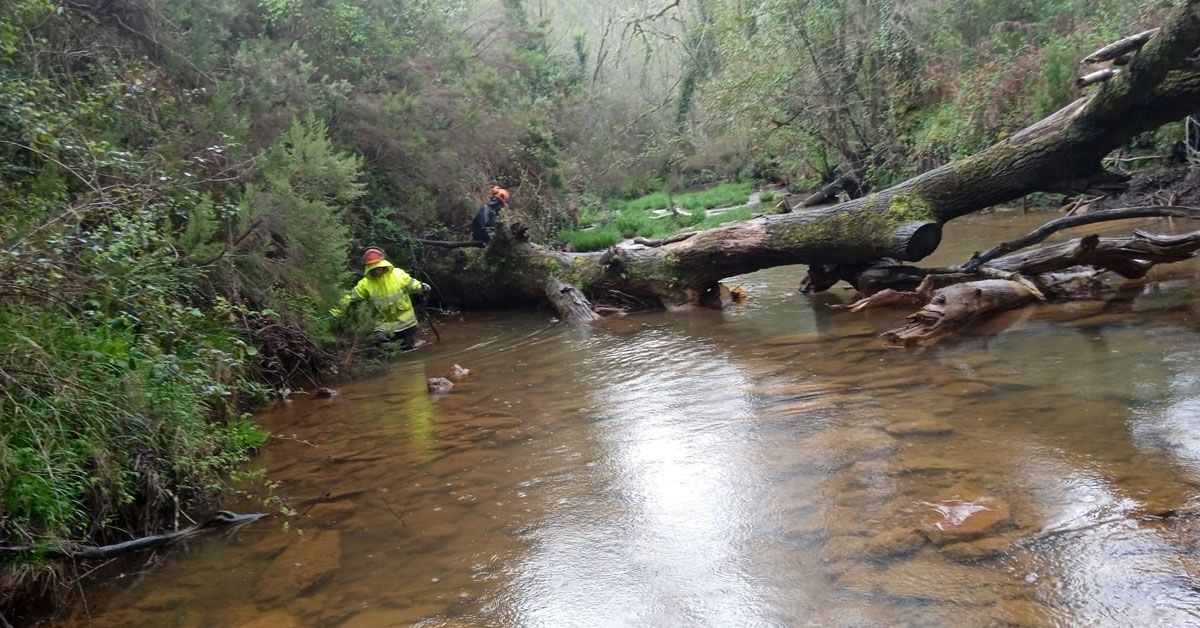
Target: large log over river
1062,153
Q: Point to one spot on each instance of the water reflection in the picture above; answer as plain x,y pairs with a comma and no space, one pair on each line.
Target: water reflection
674,485
1168,409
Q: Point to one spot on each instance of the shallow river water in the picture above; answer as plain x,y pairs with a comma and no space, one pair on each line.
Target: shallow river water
771,465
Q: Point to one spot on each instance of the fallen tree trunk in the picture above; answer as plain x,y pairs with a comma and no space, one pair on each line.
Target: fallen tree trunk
1120,48
1105,215
452,244
1062,153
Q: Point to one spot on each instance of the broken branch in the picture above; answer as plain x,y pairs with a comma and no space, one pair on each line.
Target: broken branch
1120,47
1041,233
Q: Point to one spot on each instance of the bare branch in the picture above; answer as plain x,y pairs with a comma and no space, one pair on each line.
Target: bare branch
1120,48
1099,76
1041,233
452,244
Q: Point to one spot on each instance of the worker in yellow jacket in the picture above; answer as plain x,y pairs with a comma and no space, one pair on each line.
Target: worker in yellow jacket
387,288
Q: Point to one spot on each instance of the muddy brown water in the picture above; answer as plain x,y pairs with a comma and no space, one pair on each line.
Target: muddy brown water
770,465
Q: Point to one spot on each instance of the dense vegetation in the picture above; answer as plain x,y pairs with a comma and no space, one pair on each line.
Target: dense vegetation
184,185
803,89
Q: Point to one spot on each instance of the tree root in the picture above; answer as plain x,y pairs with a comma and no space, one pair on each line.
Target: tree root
219,519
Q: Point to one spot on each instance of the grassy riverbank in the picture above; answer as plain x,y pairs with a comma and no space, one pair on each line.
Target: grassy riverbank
616,219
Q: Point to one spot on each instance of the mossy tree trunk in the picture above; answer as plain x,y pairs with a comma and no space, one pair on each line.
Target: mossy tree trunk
1061,153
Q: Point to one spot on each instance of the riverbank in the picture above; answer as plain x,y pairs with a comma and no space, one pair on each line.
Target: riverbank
1179,185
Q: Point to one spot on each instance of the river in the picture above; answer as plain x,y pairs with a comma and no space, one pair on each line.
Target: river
771,465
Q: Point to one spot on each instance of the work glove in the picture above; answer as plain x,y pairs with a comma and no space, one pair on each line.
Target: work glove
426,288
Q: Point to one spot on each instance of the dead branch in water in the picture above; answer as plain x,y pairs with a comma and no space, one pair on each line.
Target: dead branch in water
570,303
954,307
1041,233
1019,279
219,519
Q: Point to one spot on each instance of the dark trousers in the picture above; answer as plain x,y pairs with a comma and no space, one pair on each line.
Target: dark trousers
407,338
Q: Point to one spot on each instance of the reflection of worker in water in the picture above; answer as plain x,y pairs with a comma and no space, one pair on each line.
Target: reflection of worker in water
414,406
387,288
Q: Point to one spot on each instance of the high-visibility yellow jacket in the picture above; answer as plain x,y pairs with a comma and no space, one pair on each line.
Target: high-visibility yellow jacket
389,294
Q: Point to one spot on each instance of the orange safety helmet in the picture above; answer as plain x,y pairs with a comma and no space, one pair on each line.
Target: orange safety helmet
372,255
500,193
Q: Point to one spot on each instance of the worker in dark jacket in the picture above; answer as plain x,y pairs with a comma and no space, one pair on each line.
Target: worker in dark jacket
483,227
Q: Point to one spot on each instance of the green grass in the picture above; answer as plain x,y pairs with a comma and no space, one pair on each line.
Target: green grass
631,224
633,218
649,202
596,239
712,221
723,195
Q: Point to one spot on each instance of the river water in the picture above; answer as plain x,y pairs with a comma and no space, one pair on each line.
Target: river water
771,465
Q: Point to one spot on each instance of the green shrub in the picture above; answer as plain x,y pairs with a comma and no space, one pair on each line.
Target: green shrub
588,216
694,217
649,202
596,239
724,195
107,402
766,196
632,222
639,186
720,219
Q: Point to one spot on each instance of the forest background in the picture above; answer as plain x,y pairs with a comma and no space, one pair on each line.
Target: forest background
185,186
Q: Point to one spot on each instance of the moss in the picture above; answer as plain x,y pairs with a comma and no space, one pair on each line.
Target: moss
907,207
844,235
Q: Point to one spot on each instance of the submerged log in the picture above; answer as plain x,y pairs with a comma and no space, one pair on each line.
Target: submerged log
889,297
954,307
